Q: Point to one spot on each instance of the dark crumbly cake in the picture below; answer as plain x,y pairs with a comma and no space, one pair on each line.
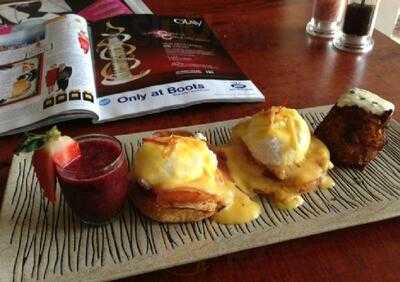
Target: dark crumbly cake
354,136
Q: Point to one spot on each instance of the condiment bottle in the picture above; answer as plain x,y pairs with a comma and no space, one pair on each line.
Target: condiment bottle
326,17
358,26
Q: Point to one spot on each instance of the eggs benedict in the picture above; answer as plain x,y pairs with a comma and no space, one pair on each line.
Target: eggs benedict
177,179
278,139
274,153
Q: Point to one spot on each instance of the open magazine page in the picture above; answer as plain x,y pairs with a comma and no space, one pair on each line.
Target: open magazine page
21,73
45,70
17,12
68,82
146,63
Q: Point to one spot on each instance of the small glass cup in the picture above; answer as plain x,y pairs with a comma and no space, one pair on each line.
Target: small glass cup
358,26
95,186
326,18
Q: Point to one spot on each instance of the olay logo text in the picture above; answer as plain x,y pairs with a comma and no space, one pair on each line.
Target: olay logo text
188,22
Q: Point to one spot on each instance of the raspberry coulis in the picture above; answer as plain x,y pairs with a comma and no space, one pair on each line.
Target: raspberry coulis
95,185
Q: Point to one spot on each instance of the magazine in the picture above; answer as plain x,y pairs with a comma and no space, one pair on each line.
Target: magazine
17,12
125,66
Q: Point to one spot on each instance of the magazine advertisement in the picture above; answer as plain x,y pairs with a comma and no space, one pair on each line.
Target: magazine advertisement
106,69
147,64
18,12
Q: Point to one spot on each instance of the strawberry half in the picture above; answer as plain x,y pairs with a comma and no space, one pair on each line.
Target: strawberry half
50,149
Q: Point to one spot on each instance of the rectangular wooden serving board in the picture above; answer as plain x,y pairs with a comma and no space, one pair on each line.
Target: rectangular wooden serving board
41,241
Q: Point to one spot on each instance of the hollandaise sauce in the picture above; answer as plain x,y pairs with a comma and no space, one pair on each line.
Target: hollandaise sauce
250,177
253,177
240,209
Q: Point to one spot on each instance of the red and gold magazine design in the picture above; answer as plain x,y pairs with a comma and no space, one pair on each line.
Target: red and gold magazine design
136,52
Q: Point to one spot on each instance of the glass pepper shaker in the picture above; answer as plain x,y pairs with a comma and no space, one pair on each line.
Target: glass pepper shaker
326,18
358,26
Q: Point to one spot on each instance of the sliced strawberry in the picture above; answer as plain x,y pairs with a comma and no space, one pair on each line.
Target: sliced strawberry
45,172
50,149
63,150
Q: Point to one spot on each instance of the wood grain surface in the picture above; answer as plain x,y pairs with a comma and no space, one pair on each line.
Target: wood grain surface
267,40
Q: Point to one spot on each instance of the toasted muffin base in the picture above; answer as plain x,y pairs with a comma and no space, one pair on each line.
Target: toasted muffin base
147,204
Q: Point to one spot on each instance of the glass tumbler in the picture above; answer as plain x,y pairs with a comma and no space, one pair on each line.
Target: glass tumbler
358,26
326,18
95,186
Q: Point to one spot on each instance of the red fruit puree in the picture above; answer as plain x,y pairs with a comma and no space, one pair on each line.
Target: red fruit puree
95,185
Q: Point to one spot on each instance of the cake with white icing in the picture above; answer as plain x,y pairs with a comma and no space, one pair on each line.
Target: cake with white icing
365,100
354,128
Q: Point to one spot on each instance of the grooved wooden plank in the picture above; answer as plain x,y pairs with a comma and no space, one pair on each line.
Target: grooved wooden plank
46,242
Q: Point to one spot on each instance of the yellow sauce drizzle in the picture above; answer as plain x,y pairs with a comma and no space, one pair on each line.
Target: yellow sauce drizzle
251,177
241,210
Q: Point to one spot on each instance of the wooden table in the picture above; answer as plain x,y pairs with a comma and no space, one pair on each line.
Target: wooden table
267,40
